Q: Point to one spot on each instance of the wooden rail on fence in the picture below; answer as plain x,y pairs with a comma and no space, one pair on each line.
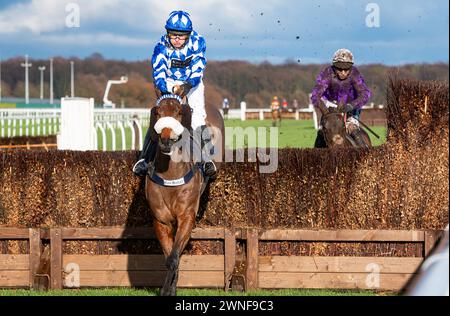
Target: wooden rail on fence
212,271
19,270
378,273
29,146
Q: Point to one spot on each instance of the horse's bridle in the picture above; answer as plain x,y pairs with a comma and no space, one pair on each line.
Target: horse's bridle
325,116
195,167
169,96
331,113
178,131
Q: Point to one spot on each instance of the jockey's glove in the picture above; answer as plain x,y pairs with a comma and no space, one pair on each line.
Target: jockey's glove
345,108
183,90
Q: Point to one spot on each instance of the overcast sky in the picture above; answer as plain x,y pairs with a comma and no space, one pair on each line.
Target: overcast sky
305,31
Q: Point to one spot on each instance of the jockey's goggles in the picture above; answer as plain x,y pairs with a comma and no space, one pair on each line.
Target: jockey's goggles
341,66
182,36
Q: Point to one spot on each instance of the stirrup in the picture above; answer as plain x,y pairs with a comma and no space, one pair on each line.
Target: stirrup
137,163
210,173
140,167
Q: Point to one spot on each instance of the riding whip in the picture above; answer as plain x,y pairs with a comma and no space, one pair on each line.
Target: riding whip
368,128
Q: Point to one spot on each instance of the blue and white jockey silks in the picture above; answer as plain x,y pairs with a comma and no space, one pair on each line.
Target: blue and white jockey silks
177,66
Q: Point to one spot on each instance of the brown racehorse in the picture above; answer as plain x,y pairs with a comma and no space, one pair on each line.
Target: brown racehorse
174,206
276,117
334,130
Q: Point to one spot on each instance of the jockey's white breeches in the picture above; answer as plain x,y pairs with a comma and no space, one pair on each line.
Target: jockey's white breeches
196,99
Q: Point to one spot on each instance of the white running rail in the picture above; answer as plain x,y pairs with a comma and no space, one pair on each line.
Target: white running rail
127,124
29,122
113,121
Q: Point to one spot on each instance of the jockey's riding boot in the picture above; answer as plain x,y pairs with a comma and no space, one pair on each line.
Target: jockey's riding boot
359,140
146,155
208,165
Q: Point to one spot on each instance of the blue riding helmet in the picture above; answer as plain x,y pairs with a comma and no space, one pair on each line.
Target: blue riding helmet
179,21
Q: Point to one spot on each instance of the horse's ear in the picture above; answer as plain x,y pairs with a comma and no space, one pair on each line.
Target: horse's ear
323,108
157,92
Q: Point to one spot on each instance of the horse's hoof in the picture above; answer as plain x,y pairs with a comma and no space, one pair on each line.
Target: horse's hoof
168,292
164,292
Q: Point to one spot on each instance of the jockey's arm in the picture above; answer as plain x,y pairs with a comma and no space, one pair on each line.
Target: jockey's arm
362,91
160,65
198,63
322,84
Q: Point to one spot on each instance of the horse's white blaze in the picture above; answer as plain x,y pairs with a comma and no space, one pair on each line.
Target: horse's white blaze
169,122
337,139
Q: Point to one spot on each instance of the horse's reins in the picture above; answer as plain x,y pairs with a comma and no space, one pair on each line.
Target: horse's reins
345,120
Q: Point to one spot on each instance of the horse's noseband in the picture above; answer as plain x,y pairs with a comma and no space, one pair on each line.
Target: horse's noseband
169,121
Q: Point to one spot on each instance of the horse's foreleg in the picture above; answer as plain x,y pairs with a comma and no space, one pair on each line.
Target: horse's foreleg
184,229
164,233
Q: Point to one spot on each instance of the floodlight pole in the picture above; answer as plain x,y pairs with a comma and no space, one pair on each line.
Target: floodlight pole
0,80
27,91
72,79
41,69
51,80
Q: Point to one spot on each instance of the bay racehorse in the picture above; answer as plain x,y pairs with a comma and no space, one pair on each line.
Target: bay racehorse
335,132
173,188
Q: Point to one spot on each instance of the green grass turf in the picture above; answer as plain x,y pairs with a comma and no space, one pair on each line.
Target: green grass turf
190,292
294,134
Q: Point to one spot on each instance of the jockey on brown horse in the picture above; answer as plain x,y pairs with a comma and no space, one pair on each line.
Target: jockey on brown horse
342,84
275,111
178,62
177,160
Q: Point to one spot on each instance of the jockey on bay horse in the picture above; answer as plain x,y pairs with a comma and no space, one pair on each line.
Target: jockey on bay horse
178,63
178,151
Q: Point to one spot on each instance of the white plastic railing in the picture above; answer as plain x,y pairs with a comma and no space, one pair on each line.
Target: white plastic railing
29,122
128,123
119,121
238,114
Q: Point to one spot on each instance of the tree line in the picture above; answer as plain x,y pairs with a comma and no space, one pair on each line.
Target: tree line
237,80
